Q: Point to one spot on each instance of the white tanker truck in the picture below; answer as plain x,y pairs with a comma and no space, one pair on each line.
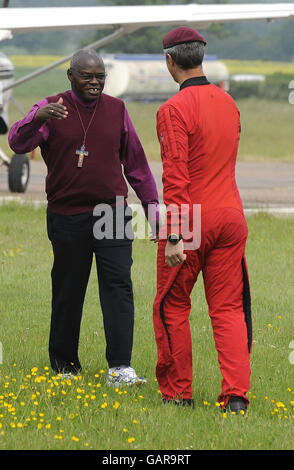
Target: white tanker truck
145,77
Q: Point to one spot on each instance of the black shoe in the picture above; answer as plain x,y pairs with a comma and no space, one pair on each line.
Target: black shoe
236,405
184,402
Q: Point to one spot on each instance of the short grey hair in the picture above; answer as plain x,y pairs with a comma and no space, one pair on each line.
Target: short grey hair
187,55
83,54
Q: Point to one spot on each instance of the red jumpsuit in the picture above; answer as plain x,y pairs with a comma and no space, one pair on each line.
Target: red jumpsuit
198,130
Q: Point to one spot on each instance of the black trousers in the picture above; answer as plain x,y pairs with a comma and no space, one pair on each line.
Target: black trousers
74,244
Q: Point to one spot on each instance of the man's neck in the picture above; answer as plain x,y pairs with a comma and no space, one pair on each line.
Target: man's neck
88,104
191,73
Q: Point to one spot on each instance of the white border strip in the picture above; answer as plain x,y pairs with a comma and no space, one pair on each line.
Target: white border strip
138,207
19,200
271,210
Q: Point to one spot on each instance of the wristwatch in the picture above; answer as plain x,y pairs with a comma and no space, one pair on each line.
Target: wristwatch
174,238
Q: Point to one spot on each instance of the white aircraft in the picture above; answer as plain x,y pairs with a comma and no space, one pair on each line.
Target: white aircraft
124,20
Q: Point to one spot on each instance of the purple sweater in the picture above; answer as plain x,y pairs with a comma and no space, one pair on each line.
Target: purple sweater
114,149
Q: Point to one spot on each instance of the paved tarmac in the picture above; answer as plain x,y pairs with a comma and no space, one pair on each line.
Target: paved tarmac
267,185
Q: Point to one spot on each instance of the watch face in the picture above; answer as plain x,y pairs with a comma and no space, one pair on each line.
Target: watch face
173,238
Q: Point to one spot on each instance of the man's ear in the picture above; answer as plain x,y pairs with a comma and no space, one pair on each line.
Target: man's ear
169,59
69,74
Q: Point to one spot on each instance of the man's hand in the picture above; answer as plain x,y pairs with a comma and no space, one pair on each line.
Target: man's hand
52,111
174,253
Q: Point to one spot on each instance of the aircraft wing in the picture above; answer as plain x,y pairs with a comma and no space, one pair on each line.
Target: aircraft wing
20,20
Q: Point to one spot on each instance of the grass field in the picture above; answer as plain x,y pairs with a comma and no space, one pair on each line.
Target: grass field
39,411
267,127
258,67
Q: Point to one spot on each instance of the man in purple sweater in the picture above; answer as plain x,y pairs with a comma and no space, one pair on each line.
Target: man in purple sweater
86,137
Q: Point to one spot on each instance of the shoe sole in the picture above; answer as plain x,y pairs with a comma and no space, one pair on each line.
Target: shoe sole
126,384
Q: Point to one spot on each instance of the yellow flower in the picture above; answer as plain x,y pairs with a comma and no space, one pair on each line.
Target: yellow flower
280,404
131,439
104,405
116,405
48,426
76,439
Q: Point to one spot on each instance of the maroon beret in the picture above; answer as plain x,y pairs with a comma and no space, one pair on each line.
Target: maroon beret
181,35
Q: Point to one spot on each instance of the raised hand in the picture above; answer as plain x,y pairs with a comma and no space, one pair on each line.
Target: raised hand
52,111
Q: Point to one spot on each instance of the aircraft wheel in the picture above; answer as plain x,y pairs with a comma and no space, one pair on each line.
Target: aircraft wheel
19,173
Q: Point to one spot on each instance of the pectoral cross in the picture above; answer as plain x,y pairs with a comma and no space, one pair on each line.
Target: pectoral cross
81,153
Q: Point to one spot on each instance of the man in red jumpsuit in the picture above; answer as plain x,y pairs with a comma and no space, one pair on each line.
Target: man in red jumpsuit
198,130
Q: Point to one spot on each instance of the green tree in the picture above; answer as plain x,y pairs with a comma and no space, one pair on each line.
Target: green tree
147,40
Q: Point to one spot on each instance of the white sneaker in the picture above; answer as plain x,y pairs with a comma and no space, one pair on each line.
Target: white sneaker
67,376
124,376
